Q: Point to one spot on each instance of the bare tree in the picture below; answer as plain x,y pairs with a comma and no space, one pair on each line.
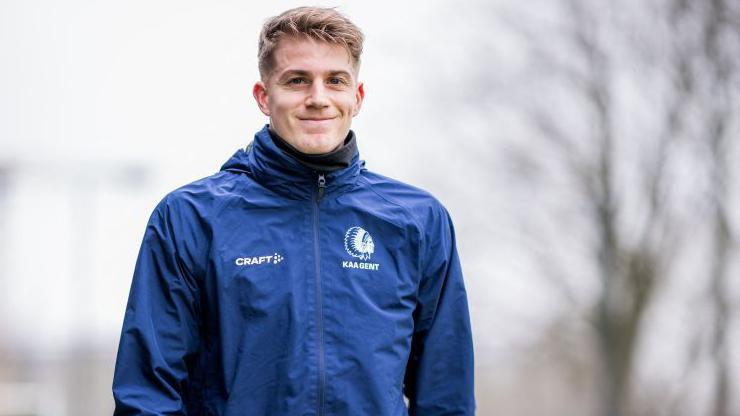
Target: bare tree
654,86
720,36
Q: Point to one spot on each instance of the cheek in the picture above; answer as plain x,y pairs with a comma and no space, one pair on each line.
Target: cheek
348,104
284,102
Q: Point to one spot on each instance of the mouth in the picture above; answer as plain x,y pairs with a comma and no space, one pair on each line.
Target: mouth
315,125
316,119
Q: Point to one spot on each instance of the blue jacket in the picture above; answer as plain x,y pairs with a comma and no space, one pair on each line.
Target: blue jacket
268,289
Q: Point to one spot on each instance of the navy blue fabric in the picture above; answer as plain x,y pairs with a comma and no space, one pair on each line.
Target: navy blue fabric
259,292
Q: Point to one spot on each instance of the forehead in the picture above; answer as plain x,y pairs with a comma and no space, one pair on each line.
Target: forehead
309,55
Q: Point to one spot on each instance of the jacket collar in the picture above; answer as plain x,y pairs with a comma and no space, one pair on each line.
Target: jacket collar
278,171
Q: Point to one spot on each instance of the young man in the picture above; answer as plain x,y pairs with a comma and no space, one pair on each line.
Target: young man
295,281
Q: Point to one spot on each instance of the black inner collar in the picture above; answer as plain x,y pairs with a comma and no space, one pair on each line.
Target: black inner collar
324,162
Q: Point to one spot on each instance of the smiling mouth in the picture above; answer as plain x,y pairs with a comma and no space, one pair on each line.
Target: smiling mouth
317,119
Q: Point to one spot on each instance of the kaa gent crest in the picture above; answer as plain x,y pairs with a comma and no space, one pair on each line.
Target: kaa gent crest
358,243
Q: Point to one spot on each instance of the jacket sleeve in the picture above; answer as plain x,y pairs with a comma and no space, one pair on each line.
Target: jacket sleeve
160,329
439,374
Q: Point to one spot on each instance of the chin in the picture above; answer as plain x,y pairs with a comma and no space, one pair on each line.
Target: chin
319,143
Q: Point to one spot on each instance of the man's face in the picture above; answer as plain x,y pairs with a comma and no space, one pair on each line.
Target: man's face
311,94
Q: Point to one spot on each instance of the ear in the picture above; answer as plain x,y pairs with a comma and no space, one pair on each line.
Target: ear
359,96
260,95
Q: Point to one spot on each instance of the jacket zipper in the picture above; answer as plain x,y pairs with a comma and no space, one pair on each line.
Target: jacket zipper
319,313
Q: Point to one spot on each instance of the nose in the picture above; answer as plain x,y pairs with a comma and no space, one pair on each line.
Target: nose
317,96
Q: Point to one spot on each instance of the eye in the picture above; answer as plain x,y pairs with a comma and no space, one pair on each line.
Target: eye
337,81
296,81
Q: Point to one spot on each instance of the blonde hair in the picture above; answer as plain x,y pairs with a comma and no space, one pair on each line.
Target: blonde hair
322,24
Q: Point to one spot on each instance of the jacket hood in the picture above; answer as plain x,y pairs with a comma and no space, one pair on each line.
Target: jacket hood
277,170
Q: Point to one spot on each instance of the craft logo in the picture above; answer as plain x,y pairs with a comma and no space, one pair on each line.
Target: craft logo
255,261
359,243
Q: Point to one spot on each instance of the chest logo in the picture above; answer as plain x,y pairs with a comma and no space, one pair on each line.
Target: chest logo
359,243
255,261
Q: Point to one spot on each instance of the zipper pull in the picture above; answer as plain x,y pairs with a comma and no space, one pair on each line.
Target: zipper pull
322,186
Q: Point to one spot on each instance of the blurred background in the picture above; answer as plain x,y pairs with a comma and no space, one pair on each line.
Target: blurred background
587,150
